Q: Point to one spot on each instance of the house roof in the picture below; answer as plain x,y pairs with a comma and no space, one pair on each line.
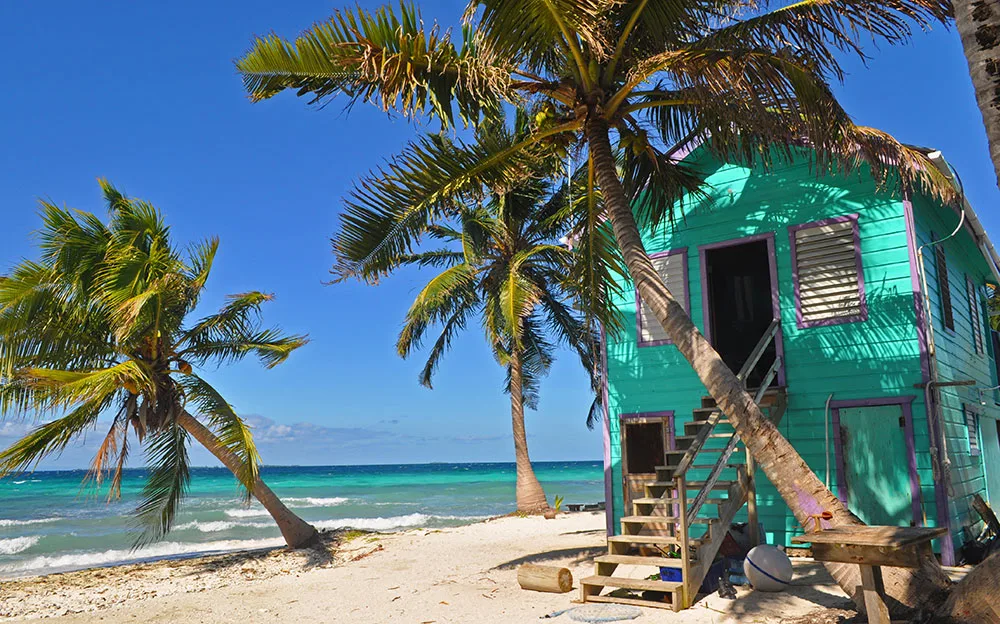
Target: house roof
972,222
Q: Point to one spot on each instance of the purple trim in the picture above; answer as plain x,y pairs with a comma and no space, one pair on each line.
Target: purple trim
609,508
686,301
918,298
683,150
863,302
666,415
772,259
906,404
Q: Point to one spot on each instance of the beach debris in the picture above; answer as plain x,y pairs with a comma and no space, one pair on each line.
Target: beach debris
545,578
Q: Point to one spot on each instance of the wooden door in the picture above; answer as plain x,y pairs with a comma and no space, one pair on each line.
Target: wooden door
990,432
876,465
644,441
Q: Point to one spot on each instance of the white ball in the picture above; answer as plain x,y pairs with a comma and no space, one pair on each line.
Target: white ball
767,568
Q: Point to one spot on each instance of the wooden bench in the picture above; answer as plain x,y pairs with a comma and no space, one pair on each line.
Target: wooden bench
872,547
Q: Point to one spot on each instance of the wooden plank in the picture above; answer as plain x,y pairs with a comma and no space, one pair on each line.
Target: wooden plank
889,536
660,562
637,602
871,584
893,556
631,583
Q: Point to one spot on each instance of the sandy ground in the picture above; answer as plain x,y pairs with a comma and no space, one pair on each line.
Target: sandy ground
460,575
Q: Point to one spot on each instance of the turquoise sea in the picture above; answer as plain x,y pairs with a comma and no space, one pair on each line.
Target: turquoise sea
49,524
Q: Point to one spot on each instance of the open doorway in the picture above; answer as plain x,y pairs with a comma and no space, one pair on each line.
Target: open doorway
645,439
739,298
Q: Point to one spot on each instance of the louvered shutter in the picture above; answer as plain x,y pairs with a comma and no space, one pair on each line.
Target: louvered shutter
944,287
975,316
672,270
827,268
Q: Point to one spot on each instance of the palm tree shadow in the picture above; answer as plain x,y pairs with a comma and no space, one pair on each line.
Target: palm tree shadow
322,554
577,555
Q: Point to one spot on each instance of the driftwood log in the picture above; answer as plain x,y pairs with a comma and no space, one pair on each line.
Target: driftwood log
544,578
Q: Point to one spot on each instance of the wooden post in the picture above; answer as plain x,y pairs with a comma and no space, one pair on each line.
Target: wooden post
686,596
871,584
752,525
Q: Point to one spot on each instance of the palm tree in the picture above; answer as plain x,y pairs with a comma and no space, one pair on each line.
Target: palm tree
647,73
979,29
98,326
501,263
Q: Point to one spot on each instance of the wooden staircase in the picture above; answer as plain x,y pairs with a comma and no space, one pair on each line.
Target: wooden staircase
672,528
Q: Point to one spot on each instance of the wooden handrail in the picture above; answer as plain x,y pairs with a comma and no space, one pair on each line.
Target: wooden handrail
713,477
758,351
713,419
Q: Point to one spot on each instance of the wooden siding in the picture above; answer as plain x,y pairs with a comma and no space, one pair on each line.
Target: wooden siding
958,357
876,358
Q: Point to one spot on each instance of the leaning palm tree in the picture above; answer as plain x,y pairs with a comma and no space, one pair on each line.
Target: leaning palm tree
978,24
99,326
501,264
645,74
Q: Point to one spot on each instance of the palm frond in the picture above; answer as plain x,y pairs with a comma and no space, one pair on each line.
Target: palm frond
819,27
388,210
383,57
439,301
232,431
166,483
50,438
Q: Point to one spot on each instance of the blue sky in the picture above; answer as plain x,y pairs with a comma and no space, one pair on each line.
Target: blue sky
145,94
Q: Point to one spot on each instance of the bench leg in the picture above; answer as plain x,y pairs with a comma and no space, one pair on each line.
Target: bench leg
871,584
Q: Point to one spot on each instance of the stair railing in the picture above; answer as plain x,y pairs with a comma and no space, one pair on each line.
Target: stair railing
734,439
703,434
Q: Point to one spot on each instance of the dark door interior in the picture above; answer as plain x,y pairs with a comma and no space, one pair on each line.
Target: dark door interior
739,304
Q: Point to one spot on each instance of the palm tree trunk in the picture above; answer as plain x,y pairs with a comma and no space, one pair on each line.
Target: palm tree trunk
296,531
800,488
530,495
979,28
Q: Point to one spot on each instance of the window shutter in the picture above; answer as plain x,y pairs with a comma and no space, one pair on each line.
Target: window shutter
828,273
944,288
972,424
672,268
975,316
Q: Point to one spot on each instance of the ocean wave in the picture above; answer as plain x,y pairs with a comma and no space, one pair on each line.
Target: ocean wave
12,523
19,482
246,513
315,502
14,545
385,524
221,525
76,561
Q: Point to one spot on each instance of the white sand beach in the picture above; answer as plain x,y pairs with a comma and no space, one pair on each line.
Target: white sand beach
458,575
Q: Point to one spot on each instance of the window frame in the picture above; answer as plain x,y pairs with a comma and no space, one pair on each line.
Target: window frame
862,314
685,300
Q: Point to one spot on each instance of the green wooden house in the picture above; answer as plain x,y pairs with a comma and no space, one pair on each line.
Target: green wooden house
818,288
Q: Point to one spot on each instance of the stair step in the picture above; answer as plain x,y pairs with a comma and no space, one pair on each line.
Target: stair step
631,583
674,500
650,519
661,520
691,438
636,602
693,485
659,562
719,485
696,425
658,540
700,466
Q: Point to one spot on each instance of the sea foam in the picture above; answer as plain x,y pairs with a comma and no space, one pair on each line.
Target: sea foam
14,545
221,525
246,513
13,523
80,560
316,502
385,524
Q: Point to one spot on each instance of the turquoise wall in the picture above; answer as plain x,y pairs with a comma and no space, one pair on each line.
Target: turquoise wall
957,358
876,358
